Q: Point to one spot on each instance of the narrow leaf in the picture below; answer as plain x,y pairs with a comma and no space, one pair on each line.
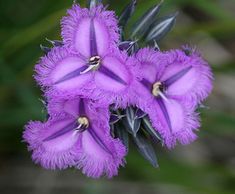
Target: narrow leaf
112,131
148,127
45,49
146,20
131,123
122,134
127,13
55,42
146,149
156,47
160,28
126,45
93,3
129,46
44,109
114,118
139,114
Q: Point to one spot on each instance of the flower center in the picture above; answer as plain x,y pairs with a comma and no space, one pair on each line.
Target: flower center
158,89
83,122
95,62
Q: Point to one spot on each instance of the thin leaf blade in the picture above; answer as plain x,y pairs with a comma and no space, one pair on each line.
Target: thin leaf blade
45,49
146,20
122,134
146,149
139,114
127,13
93,3
114,118
160,28
126,45
151,131
132,124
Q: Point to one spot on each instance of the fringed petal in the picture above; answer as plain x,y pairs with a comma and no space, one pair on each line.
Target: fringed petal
61,106
54,144
148,66
59,72
113,80
187,77
112,75
83,27
101,154
174,121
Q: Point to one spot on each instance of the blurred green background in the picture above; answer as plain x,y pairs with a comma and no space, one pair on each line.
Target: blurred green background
204,167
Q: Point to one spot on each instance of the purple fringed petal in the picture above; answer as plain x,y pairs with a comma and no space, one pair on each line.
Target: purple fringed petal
174,121
112,75
54,144
60,106
146,68
185,81
101,154
113,80
187,77
60,71
81,23
149,67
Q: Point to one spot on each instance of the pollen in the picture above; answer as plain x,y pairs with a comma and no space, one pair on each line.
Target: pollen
157,88
83,121
95,61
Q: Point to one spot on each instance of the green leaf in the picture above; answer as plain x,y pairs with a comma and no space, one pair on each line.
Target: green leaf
93,3
114,118
139,113
127,13
126,45
146,20
132,124
45,49
148,127
122,134
145,149
160,28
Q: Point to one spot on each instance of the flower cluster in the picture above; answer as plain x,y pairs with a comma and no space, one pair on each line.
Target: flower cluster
93,84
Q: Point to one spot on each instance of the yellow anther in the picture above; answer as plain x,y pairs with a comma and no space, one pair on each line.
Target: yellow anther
83,121
95,61
156,88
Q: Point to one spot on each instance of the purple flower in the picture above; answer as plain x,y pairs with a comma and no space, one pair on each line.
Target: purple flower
169,88
90,63
90,70
77,134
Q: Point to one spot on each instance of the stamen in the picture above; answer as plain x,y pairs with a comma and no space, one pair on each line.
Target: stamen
163,96
89,68
78,127
95,60
94,63
157,89
84,122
